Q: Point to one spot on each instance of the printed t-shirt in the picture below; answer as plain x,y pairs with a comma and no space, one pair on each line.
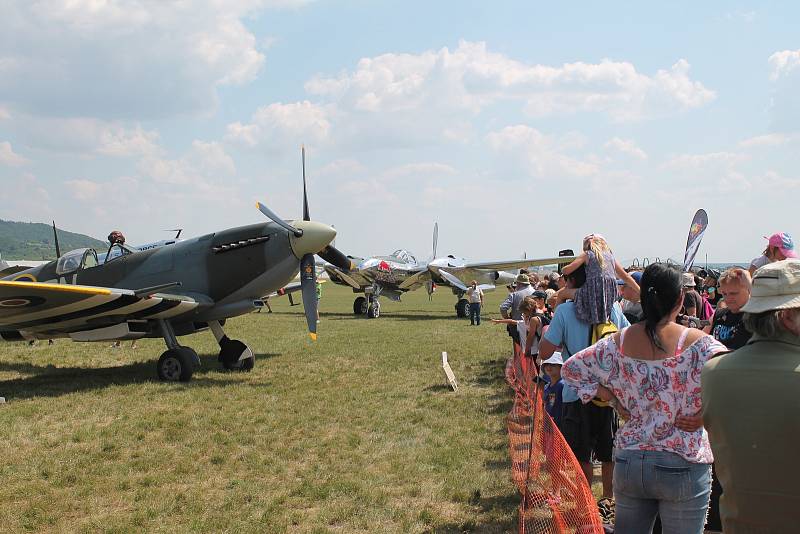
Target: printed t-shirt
552,400
572,334
729,329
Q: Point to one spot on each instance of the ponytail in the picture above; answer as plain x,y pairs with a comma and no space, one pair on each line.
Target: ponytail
661,288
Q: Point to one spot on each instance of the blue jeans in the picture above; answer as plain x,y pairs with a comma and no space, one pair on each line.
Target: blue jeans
474,313
647,483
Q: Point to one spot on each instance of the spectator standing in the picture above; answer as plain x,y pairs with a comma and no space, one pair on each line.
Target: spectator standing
651,373
692,303
554,387
780,246
728,328
509,309
586,428
475,297
755,445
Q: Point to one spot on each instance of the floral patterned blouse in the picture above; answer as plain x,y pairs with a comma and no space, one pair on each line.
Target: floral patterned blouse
655,392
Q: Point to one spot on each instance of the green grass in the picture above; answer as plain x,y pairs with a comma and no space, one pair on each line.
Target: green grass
354,433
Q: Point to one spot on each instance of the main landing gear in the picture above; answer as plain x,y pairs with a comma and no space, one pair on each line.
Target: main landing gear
462,306
233,354
369,306
177,363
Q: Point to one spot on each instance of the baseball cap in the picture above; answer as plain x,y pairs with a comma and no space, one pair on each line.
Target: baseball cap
776,286
688,280
555,359
523,279
539,294
783,242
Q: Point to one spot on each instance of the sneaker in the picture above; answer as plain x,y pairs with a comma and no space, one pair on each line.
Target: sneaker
606,506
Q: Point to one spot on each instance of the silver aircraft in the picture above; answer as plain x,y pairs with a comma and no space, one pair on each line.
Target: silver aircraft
169,291
393,275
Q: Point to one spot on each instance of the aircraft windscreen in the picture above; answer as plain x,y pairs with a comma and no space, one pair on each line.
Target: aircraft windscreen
70,261
404,255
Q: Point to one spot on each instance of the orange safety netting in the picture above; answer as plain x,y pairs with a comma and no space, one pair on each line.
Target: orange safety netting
556,498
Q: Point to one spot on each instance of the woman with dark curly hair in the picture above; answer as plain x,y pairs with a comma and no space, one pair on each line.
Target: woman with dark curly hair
650,372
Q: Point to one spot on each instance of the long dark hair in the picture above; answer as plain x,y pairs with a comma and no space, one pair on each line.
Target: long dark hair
661,288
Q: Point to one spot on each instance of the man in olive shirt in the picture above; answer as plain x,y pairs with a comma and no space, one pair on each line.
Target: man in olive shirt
751,406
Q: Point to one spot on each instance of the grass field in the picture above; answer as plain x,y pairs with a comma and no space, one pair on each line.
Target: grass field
354,433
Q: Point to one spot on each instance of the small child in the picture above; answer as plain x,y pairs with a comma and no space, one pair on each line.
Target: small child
552,391
595,299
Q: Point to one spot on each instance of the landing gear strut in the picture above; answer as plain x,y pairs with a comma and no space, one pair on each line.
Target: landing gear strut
369,306
233,354
177,363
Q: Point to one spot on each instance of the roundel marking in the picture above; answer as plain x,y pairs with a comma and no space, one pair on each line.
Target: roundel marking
24,278
21,302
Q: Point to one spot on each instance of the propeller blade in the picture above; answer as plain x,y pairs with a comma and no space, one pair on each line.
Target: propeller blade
435,238
306,216
277,220
336,257
55,238
308,285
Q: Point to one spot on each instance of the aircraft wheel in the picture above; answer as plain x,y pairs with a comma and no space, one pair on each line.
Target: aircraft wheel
230,354
374,310
462,308
176,365
360,306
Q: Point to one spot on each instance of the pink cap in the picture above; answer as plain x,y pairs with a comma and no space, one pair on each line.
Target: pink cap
783,242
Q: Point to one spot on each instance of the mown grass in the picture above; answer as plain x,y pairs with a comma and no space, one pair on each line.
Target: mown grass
354,433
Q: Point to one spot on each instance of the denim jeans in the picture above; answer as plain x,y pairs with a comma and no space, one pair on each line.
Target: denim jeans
474,313
647,483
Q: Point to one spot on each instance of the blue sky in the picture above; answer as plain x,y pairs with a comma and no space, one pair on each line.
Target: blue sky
518,126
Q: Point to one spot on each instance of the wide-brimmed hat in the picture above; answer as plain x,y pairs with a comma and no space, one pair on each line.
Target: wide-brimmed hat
776,286
523,279
688,280
555,359
783,242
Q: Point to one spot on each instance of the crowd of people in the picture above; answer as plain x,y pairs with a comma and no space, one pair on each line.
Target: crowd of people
680,384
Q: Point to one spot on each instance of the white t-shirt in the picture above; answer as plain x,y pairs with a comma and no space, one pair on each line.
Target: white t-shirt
522,328
760,261
474,295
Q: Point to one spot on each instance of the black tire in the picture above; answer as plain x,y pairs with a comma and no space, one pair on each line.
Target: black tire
374,310
229,355
176,365
360,306
462,308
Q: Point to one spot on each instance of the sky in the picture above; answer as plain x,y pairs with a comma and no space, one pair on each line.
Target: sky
519,127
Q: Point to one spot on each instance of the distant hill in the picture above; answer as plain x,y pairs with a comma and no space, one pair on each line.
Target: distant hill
34,241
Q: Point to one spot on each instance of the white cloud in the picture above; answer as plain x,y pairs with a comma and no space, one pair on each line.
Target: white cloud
471,77
9,157
544,156
115,59
626,146
279,125
4,113
783,62
767,140
693,162
114,140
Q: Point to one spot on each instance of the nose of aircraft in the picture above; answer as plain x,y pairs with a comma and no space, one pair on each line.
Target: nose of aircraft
316,236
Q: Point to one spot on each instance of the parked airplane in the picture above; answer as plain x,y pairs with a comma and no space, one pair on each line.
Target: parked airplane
400,271
169,291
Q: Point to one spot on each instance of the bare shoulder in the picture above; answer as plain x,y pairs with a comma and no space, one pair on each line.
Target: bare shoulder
693,335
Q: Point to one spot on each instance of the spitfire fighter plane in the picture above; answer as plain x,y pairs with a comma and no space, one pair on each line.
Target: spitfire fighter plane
393,275
169,291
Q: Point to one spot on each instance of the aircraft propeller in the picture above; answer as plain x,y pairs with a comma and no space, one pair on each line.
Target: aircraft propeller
308,273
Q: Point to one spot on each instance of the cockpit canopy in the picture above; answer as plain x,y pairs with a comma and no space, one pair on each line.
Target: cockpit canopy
82,258
404,255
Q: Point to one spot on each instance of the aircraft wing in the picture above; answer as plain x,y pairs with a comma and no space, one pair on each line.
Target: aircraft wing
40,309
474,270
352,279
